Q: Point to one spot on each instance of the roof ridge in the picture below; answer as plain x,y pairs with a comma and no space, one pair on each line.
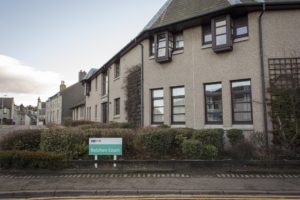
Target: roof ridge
161,11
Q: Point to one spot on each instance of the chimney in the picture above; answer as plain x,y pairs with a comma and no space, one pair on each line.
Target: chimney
62,86
81,75
39,100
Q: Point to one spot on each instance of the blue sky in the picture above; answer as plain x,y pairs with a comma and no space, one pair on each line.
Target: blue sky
54,39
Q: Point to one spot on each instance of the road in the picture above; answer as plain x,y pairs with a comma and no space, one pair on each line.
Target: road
145,184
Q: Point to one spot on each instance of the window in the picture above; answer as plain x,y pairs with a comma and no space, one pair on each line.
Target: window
117,69
241,27
213,103
164,47
151,46
104,83
221,34
206,34
178,105
96,112
87,88
241,102
117,106
96,83
178,41
157,106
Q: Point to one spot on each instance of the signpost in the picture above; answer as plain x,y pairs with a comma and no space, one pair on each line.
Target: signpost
105,146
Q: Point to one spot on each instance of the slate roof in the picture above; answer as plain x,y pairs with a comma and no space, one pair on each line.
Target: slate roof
174,11
89,75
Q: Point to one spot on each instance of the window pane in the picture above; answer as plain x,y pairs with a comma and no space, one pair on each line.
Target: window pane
179,102
207,38
241,30
221,23
242,117
178,110
239,84
221,30
213,87
158,93
159,110
214,117
178,91
179,44
158,103
162,44
244,97
179,118
238,107
162,52
221,39
158,118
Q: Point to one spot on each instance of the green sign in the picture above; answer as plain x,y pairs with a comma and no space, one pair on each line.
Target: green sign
105,146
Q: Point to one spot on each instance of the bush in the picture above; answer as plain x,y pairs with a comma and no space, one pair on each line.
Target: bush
30,159
210,136
159,141
243,151
235,136
192,149
71,123
22,140
209,152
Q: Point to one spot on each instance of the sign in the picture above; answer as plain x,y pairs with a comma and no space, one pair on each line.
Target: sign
105,146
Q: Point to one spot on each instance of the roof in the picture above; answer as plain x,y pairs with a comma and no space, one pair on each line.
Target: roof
89,75
182,11
78,104
6,102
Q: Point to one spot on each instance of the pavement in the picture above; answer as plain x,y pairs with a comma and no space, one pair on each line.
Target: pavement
52,185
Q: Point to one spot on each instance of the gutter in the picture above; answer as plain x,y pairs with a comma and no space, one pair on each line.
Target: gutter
262,71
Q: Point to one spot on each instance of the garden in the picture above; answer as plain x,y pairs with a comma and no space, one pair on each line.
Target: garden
48,148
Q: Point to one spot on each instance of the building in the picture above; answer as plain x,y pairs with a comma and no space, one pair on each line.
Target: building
41,112
59,106
203,64
7,111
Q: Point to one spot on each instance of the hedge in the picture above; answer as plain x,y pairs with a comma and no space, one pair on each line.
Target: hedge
31,159
22,140
235,136
210,136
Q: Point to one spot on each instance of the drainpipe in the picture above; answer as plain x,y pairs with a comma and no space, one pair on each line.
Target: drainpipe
142,84
108,102
262,71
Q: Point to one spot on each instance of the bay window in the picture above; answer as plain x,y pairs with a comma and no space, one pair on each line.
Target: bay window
164,47
222,34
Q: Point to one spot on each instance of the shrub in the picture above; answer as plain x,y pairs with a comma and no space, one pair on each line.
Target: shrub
210,136
30,159
235,136
72,123
22,140
243,151
192,149
158,141
209,152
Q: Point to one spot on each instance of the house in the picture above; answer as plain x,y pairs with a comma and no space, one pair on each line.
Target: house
7,111
22,116
41,112
59,106
201,64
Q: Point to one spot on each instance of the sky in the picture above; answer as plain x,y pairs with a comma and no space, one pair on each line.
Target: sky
45,41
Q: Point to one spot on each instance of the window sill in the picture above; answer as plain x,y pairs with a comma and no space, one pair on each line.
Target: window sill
176,52
151,57
117,117
243,126
117,78
206,46
213,126
103,96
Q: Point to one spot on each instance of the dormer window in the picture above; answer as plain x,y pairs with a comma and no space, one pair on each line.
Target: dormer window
164,47
221,34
